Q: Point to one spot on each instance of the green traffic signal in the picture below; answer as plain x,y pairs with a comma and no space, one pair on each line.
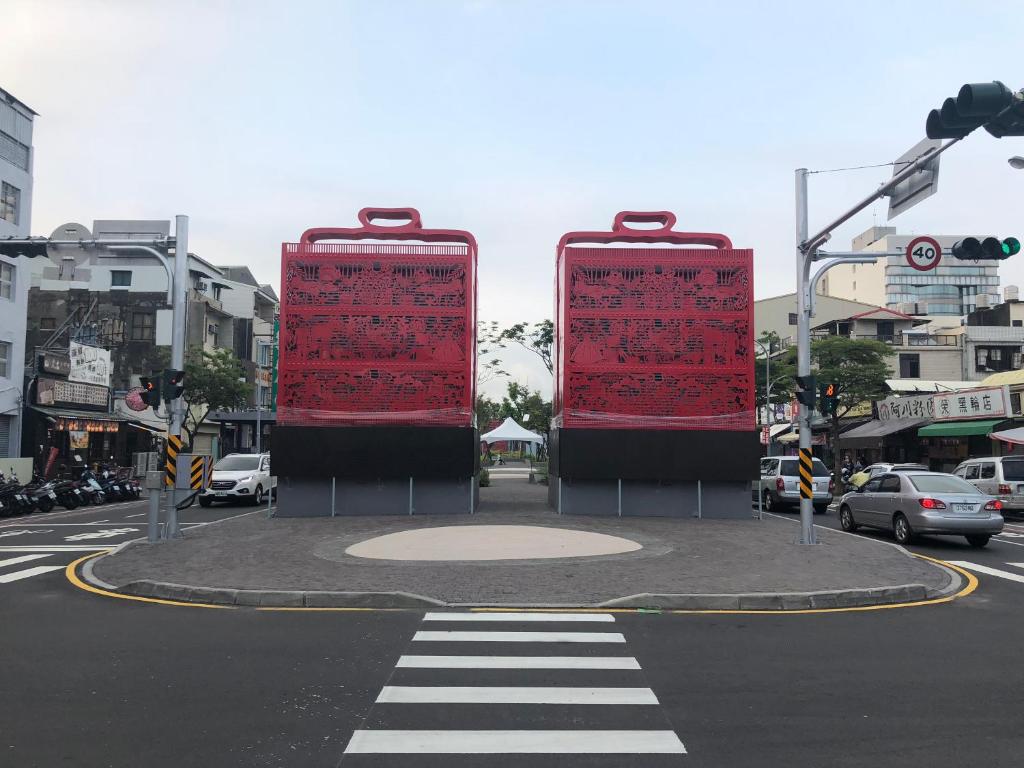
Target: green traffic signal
1011,246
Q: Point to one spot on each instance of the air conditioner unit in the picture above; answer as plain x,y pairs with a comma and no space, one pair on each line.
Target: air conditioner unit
907,308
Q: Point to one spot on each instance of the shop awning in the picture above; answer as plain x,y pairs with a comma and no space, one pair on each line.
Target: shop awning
959,428
72,413
878,428
928,385
1013,436
778,429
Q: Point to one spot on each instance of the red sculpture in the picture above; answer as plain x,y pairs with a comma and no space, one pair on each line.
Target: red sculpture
378,332
653,338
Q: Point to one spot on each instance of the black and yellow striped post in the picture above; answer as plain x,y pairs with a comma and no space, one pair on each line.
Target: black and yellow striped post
195,479
171,466
806,473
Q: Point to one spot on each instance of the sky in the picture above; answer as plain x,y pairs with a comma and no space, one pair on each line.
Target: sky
517,121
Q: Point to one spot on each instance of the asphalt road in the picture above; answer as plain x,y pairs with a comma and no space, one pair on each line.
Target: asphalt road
95,681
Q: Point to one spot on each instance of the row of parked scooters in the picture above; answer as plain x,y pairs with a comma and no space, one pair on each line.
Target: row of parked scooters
106,485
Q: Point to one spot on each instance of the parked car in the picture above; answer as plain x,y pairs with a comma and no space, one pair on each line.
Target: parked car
999,476
240,476
874,470
779,486
912,502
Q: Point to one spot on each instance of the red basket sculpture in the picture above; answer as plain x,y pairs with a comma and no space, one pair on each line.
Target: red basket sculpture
378,332
653,338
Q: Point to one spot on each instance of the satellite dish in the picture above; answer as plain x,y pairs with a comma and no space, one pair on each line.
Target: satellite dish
63,254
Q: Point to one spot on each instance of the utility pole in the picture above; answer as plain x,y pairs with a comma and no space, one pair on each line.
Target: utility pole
179,312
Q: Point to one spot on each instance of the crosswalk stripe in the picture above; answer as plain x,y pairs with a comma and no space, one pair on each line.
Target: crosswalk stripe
1016,565
988,571
515,742
55,548
519,637
406,694
22,559
512,616
7,578
518,662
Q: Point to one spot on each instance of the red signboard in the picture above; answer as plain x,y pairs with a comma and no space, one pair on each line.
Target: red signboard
378,332
653,337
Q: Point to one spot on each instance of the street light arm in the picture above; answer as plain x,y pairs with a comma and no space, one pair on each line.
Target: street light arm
162,258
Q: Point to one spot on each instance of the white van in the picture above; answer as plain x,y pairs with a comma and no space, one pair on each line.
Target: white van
999,476
240,476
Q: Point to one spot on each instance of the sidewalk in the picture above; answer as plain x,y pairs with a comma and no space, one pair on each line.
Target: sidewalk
685,564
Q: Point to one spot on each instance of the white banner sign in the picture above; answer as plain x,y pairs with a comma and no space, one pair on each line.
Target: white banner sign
89,365
987,403
906,408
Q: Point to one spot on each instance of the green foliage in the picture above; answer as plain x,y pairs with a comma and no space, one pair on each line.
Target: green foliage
488,367
781,368
521,401
858,368
214,381
485,478
486,411
535,337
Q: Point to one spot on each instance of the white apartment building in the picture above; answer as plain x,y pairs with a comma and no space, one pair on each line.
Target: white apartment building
16,160
954,288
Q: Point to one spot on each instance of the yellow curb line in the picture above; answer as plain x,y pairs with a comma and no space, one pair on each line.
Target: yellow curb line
972,584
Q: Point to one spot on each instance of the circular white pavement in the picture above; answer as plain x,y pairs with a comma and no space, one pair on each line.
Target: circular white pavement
490,542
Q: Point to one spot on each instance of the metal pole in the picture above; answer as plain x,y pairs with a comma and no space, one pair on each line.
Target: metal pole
410,495
803,361
768,396
257,428
153,517
700,501
179,311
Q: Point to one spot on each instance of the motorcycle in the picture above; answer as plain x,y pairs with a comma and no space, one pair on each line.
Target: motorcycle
69,495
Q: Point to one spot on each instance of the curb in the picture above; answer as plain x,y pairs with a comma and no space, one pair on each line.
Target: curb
753,601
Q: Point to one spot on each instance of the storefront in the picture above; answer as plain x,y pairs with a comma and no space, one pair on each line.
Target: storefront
892,441
951,442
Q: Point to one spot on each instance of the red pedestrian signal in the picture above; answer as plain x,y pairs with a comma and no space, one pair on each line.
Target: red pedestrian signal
150,391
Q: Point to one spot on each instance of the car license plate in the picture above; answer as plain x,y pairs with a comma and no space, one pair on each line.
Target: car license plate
219,494
117,487
964,509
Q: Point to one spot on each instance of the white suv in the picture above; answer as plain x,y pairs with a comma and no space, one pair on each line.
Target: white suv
240,476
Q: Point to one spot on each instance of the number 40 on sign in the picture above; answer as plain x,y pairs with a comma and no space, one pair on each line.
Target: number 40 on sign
924,253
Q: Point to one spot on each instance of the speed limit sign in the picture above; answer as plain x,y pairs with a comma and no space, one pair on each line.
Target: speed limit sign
924,253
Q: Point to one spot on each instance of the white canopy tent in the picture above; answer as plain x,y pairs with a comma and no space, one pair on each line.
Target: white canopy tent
509,429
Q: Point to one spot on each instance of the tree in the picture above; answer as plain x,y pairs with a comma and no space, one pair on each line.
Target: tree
520,401
487,411
781,368
535,337
857,368
490,368
214,381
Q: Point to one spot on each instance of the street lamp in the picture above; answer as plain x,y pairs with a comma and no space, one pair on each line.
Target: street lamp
767,389
1016,162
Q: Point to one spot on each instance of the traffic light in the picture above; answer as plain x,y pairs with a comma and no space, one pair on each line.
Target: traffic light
992,105
29,250
829,399
174,384
150,391
805,391
975,249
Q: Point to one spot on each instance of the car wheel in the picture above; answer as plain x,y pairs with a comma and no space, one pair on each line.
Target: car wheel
846,521
820,510
769,503
257,497
977,540
205,502
902,530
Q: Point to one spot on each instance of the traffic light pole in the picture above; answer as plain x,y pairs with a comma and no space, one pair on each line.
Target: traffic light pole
179,307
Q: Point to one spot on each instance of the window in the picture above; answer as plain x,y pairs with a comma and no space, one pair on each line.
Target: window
1013,469
789,468
910,366
941,484
792,318
142,326
120,278
1017,323
47,323
6,280
871,486
10,203
5,358
971,474
890,484
988,471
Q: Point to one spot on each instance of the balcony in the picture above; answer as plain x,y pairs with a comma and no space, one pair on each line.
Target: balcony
914,339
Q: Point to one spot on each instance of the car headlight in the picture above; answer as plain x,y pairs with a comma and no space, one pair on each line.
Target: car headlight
246,480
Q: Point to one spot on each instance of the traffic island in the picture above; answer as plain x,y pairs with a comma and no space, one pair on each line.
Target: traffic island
521,560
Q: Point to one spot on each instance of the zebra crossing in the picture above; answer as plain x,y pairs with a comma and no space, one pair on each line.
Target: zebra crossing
510,683
990,571
14,561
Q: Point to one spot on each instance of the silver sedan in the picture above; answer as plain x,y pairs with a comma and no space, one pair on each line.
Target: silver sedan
908,503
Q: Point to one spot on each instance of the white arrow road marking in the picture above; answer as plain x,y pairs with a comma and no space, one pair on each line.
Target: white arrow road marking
106,533
23,531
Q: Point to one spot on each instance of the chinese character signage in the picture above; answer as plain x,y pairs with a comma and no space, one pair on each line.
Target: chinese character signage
89,365
68,393
988,403
55,362
906,408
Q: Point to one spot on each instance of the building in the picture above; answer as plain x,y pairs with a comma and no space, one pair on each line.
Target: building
16,161
953,288
778,314
80,295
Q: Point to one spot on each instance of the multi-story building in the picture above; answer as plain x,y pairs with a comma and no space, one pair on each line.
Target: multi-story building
953,288
778,314
994,338
16,160
120,305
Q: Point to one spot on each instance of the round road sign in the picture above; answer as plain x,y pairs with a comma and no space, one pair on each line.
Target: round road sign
924,253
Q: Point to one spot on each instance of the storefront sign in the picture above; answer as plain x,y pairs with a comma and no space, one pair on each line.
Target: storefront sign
78,440
987,403
85,426
89,365
906,408
55,362
57,392
263,377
